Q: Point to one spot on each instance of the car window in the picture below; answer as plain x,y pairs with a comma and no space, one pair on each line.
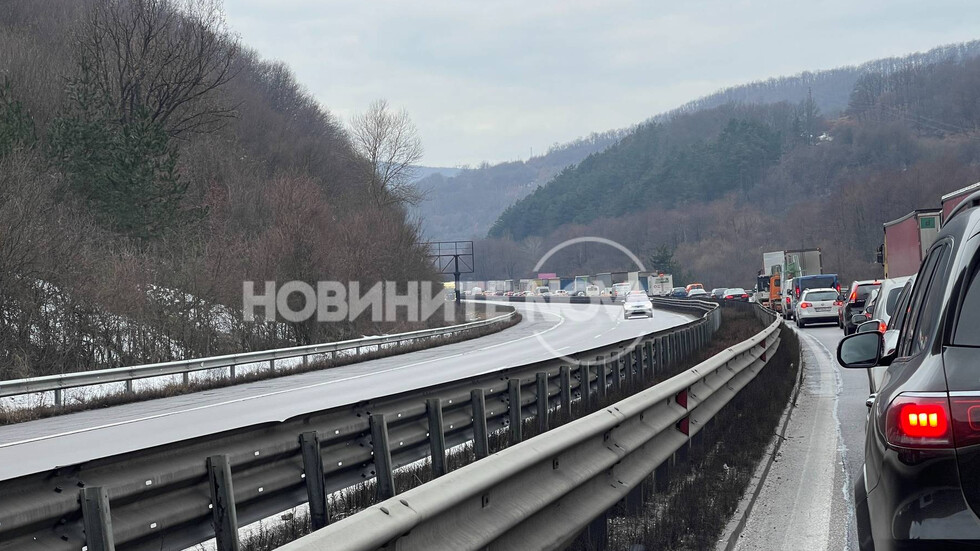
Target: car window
967,332
891,300
822,295
902,307
926,304
811,283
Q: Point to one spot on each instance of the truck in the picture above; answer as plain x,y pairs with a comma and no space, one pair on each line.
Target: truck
907,239
604,280
787,264
950,200
660,285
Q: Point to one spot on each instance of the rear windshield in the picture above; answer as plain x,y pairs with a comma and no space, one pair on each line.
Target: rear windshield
817,282
636,298
735,291
864,291
822,295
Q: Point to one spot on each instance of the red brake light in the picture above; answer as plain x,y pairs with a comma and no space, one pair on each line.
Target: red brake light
854,296
745,295
838,287
729,296
787,301
805,305
918,422
882,327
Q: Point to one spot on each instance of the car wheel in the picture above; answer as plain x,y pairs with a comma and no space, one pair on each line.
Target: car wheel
863,516
801,323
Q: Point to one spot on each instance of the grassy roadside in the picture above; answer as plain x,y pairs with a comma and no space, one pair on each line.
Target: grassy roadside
43,410
705,491
738,325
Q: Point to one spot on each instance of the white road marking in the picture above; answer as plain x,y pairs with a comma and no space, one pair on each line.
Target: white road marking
561,320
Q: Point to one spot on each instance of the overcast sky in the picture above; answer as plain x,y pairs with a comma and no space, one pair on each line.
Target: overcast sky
492,80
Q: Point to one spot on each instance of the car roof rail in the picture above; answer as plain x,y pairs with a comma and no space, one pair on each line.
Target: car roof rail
972,200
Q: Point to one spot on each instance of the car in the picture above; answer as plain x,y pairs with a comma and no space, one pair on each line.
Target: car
637,303
560,293
736,294
882,306
890,334
787,297
606,292
697,293
691,286
543,291
592,290
718,293
678,292
920,484
853,304
817,306
620,290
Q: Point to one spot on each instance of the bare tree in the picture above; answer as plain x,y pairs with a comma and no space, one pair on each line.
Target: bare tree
391,144
160,58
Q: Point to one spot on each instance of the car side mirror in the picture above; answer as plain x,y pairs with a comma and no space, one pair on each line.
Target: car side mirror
858,319
870,325
860,350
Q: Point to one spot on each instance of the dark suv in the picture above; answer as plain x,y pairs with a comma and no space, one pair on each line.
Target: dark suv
854,303
920,488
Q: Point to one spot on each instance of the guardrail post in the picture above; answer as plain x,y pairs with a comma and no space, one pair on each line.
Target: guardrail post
129,386
224,517
481,444
309,443
661,476
514,411
231,371
272,364
306,360
565,380
584,387
382,456
437,436
542,397
96,519
634,499
617,383
600,380
596,534
636,368
59,397
187,378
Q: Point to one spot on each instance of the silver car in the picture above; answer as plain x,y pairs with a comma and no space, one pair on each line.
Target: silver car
637,304
817,306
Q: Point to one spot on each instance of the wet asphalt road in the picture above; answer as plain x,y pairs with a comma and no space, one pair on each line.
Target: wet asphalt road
806,499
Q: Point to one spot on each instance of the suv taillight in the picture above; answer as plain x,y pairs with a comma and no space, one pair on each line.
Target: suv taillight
805,305
882,327
919,421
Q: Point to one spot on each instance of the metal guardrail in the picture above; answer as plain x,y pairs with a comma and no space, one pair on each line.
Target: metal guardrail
175,496
58,383
543,493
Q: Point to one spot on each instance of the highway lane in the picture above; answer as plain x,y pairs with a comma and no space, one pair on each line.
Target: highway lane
546,330
806,500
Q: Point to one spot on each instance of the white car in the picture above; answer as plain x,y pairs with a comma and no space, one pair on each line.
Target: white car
698,293
637,304
592,290
817,306
560,293
543,291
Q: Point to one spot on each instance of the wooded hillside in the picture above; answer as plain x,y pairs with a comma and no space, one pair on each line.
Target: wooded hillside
149,164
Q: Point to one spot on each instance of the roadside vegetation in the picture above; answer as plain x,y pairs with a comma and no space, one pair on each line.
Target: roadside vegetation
140,187
711,182
739,323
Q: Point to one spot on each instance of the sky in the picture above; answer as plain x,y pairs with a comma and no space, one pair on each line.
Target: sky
499,80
